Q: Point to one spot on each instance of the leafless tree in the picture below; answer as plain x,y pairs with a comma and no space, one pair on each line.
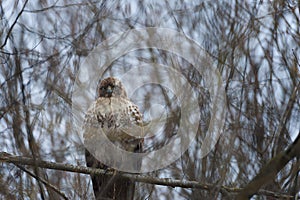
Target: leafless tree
254,45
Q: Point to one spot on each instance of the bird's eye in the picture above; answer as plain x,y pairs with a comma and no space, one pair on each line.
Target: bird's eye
102,88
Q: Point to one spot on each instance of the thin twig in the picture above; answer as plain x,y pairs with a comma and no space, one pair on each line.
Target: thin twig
12,26
46,183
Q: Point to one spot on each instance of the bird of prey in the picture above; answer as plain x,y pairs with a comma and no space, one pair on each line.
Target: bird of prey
115,117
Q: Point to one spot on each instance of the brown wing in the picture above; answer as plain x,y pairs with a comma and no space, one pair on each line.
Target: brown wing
119,120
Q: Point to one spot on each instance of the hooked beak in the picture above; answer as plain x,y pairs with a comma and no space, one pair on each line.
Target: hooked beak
109,89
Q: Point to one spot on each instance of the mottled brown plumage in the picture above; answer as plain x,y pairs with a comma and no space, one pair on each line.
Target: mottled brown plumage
116,117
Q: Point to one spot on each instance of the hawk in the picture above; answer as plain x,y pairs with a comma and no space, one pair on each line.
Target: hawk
112,120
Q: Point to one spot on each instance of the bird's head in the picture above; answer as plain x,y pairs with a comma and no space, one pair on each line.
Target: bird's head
111,87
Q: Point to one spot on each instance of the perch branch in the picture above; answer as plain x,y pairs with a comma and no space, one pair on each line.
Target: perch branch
20,160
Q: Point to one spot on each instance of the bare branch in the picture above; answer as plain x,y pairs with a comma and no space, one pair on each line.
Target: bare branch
12,26
46,183
269,171
20,160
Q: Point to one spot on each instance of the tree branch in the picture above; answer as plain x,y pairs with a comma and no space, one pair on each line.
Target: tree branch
44,182
20,160
270,170
14,23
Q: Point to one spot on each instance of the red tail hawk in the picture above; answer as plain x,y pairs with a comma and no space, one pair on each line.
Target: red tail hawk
115,116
